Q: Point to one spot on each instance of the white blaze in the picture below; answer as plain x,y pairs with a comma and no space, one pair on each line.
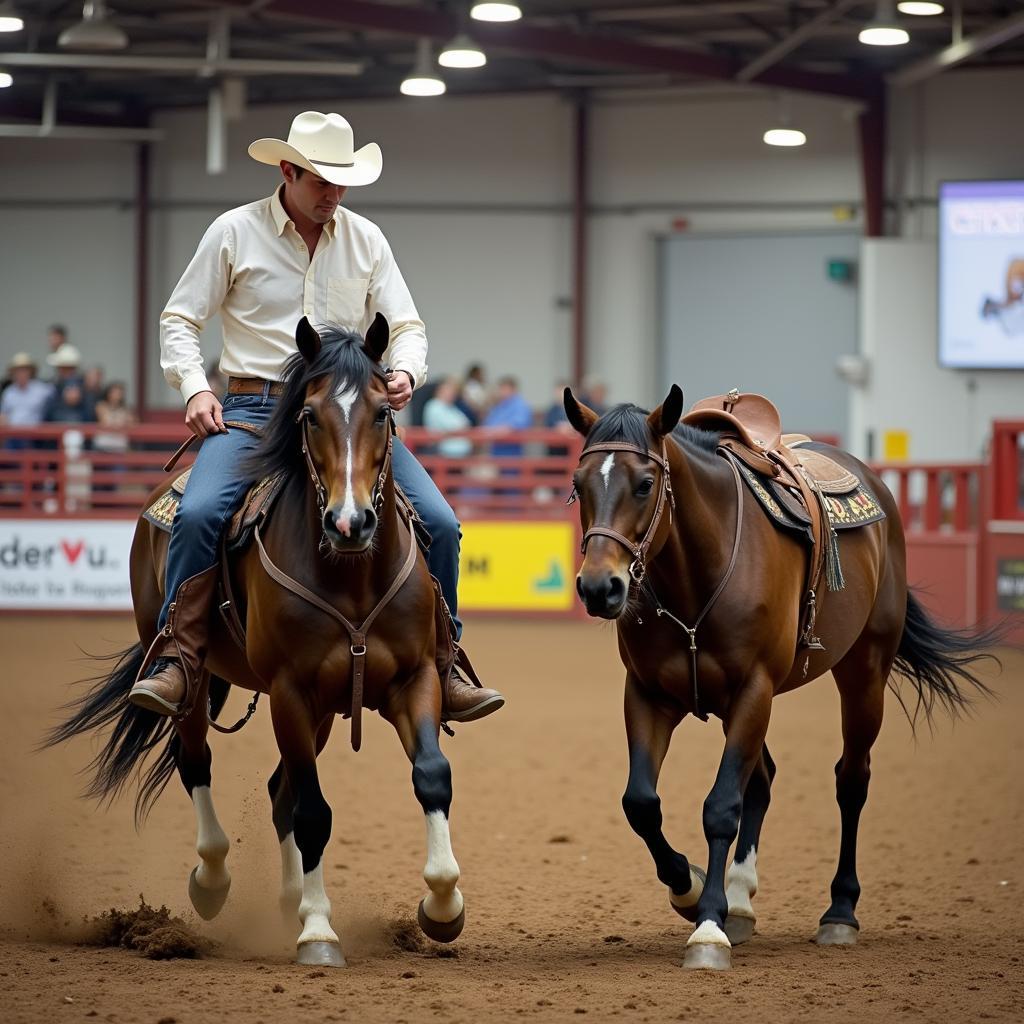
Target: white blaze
606,468
345,397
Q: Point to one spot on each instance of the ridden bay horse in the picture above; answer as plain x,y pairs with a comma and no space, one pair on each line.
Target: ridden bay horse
331,435
709,623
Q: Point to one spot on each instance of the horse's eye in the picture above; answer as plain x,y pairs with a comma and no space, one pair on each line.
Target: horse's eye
311,418
644,488
382,414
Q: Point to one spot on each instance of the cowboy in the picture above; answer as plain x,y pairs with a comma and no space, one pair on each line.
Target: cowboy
263,267
25,399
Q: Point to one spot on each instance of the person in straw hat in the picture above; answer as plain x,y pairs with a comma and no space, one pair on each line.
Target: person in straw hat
25,399
262,267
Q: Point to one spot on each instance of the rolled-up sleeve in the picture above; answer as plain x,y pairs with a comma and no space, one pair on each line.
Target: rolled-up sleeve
196,299
389,295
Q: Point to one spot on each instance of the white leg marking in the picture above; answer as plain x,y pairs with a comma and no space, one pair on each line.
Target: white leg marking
444,903
708,932
212,844
741,884
688,899
291,875
315,909
606,468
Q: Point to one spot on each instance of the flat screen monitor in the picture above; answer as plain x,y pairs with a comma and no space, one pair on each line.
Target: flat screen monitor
981,274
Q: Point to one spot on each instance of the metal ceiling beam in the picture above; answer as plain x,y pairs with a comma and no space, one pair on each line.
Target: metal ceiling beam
787,45
181,65
79,131
587,48
987,39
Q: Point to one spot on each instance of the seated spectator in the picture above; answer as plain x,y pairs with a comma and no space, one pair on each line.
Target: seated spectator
92,381
441,413
25,399
56,336
112,411
510,411
67,362
595,394
473,394
69,405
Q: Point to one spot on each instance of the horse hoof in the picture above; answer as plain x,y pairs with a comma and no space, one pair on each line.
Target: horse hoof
208,902
689,911
739,929
707,956
832,933
441,931
320,954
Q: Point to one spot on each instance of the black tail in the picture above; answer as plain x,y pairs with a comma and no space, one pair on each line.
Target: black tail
936,661
134,733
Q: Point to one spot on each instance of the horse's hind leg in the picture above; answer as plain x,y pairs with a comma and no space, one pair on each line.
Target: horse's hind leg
741,881
860,677
296,728
209,883
649,729
415,713
283,807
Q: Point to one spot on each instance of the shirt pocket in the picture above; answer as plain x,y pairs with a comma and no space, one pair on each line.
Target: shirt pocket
346,301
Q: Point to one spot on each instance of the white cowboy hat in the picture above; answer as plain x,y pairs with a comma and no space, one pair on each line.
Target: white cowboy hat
322,143
21,359
66,355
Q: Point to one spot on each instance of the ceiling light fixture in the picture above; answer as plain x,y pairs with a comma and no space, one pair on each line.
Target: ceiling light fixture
94,31
784,137
423,80
496,12
10,19
6,80
882,30
462,52
920,8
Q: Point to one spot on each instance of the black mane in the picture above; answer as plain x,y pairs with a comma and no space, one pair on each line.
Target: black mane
629,423
343,359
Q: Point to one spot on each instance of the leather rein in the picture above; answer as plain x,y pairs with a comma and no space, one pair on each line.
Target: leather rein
640,551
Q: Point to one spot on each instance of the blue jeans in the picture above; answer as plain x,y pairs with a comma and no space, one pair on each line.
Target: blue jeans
216,489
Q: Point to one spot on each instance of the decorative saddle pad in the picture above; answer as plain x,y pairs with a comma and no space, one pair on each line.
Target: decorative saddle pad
856,507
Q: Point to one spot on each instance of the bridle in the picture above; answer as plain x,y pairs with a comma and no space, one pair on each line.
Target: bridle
303,418
638,567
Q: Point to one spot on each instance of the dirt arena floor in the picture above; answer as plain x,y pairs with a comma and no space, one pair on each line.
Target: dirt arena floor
564,914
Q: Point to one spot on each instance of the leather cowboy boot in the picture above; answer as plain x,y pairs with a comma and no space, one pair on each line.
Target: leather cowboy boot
175,659
463,697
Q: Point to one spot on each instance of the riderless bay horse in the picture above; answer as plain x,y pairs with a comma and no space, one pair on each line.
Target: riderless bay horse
308,641
708,597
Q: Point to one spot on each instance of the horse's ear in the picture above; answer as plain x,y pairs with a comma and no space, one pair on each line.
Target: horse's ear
664,419
307,340
578,414
377,337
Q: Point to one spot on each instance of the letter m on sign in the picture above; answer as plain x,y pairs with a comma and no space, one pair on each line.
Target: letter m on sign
481,566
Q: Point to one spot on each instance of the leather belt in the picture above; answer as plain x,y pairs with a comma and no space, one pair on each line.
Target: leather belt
253,386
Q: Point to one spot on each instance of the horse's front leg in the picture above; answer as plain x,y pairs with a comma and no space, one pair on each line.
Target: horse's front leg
746,727
296,726
210,881
649,729
415,712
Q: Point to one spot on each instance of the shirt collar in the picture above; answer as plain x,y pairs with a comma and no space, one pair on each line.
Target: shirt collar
282,220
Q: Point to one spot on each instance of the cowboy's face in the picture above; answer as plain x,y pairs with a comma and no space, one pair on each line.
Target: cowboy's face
310,195
21,375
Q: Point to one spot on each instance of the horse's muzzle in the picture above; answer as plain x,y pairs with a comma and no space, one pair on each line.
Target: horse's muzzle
604,594
350,533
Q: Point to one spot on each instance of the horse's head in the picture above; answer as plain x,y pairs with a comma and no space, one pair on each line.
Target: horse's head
624,491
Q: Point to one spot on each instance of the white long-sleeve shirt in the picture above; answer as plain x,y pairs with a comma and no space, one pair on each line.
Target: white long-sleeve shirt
253,268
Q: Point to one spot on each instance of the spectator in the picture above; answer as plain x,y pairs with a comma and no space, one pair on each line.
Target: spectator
441,413
595,394
92,381
554,415
113,412
25,400
69,405
56,336
67,362
510,411
473,396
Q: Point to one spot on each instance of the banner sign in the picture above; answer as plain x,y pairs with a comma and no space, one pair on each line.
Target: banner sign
65,564
517,567
1010,585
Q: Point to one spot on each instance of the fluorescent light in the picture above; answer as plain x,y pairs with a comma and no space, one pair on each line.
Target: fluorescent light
882,30
10,20
6,80
94,31
462,52
921,8
784,137
422,80
496,12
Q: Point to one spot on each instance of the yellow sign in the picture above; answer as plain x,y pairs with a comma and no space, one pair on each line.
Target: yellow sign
517,567
895,445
